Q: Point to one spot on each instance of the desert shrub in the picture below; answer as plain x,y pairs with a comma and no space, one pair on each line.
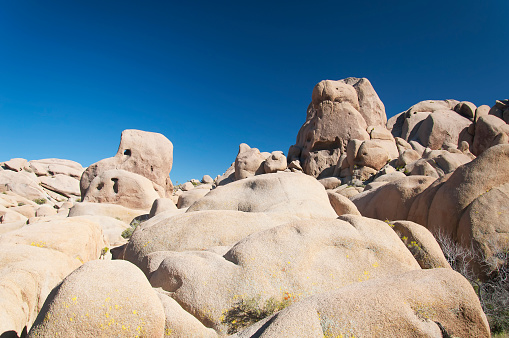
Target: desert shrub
247,311
40,201
20,204
493,289
127,233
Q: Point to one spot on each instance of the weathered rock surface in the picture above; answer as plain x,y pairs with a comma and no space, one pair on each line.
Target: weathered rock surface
189,197
489,131
144,153
423,301
301,258
27,275
285,193
62,184
161,205
123,188
473,197
198,230
78,238
56,166
180,323
421,243
104,209
97,300
249,162
341,204
393,200
340,111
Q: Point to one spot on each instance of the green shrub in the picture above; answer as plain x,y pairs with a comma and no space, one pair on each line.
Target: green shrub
246,312
40,201
127,233
20,204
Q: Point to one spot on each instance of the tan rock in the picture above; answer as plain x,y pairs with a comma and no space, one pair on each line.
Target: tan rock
275,162
27,275
393,200
337,114
23,184
144,153
122,187
189,197
423,301
187,186
198,230
330,182
466,109
421,243
180,323
62,184
489,131
162,205
56,166
104,209
249,162
469,196
441,127
207,179
299,258
372,155
16,164
9,215
112,228
97,300
45,210
341,204
78,238
285,193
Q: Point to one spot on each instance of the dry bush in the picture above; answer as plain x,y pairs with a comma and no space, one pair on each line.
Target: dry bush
493,289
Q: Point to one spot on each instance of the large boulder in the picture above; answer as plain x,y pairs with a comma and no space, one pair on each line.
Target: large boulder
470,205
489,131
56,166
144,153
433,123
104,209
249,162
200,230
423,303
27,275
123,188
78,238
299,258
189,197
339,112
23,184
393,200
61,184
294,194
421,243
97,300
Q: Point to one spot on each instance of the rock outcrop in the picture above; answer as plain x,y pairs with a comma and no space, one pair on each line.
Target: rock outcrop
144,153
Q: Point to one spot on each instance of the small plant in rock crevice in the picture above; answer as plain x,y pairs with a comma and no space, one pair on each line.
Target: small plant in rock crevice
40,201
127,233
247,311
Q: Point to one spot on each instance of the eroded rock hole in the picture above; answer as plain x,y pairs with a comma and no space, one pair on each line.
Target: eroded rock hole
127,152
100,186
115,185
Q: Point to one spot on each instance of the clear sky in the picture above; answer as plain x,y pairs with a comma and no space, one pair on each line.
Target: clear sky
210,75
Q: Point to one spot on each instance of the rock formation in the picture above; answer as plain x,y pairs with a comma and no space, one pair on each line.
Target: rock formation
355,233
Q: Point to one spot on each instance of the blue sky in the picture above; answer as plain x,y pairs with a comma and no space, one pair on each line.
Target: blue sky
210,75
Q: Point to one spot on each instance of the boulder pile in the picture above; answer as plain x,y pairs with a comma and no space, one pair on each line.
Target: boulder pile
349,235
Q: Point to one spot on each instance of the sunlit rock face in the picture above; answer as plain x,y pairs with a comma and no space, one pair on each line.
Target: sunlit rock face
340,111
